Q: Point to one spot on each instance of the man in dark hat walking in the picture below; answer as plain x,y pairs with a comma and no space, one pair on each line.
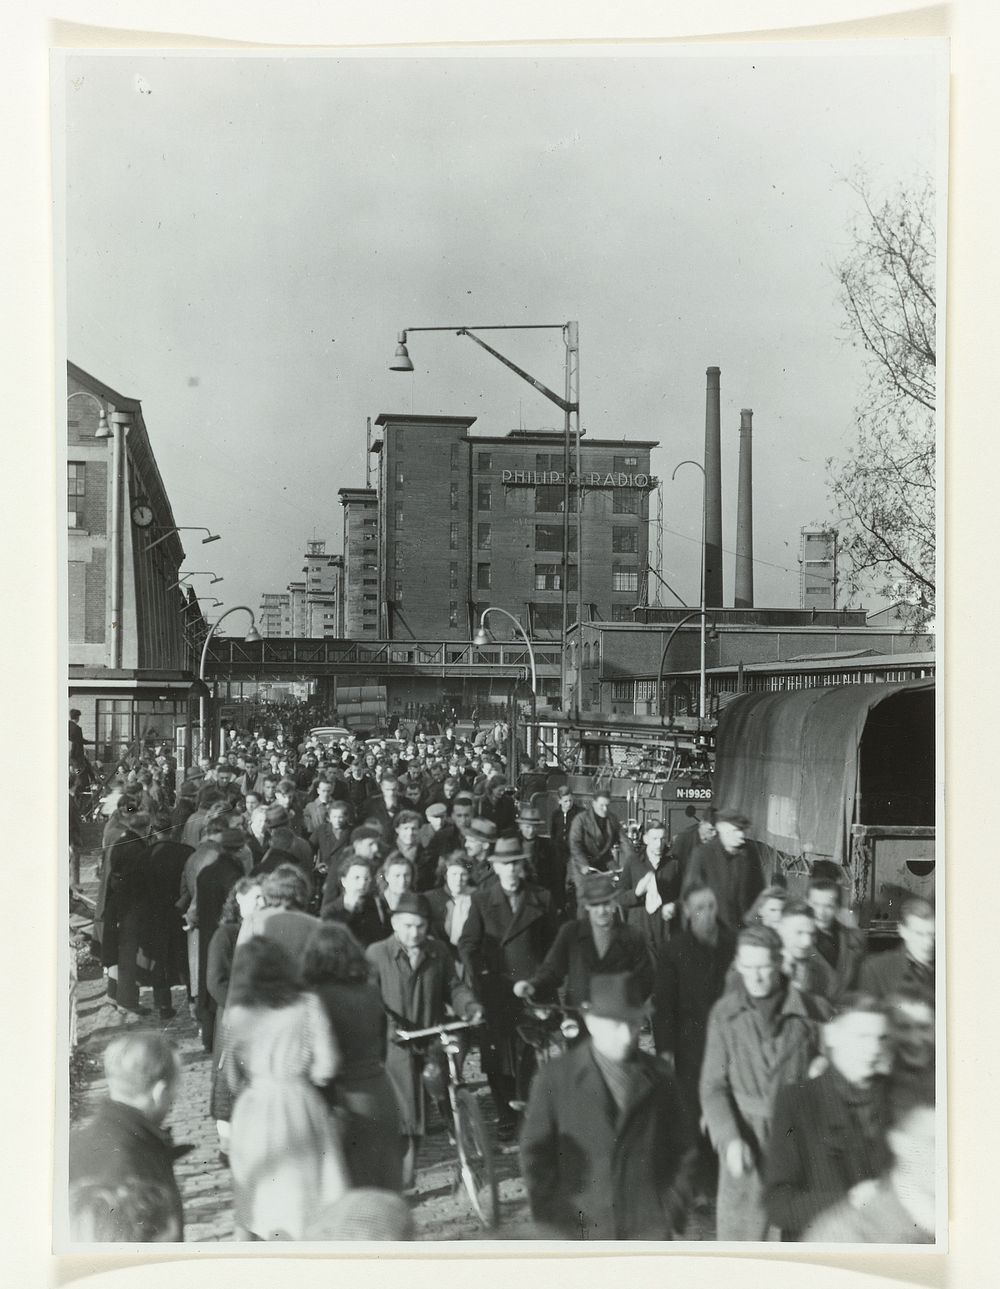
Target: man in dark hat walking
606,1146
507,933
544,862
729,866
598,944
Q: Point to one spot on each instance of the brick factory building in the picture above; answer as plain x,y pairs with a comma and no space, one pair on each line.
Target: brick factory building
133,630
458,522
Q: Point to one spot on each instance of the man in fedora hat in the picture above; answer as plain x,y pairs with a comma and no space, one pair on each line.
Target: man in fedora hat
606,1145
599,944
544,863
506,935
417,979
479,837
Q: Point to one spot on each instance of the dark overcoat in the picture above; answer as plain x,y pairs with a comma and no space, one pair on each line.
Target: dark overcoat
883,973
573,959
163,940
120,1145
653,927
590,844
736,879
498,949
593,1173
414,1000
819,1150
690,978
850,944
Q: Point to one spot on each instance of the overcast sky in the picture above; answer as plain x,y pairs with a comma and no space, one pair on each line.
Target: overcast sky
245,237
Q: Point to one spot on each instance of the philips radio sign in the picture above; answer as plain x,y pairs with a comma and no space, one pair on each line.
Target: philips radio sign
532,478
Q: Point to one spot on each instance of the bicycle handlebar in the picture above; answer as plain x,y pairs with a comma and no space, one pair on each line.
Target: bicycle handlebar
448,1027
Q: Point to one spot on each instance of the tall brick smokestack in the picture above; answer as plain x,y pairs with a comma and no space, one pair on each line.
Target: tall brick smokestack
744,515
713,492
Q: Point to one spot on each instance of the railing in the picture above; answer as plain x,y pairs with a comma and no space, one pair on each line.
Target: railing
226,655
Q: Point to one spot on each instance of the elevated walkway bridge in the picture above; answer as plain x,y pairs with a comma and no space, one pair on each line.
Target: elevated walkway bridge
374,660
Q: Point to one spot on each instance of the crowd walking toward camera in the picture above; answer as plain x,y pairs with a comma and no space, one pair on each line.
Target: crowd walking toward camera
737,1049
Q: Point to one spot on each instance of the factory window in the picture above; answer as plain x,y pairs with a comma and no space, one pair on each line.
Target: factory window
453,536
369,597
546,617
621,613
626,501
550,498
625,541
485,460
484,500
549,537
484,577
76,491
455,459
549,460
399,474
623,691
453,613
625,464
484,536
453,576
548,577
399,516
624,579
645,691
397,591
453,496
370,581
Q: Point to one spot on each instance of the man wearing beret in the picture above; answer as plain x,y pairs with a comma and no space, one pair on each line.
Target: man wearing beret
606,1145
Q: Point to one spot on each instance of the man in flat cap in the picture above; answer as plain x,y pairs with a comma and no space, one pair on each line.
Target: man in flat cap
730,866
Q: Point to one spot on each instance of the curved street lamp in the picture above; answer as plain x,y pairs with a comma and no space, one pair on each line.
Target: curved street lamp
251,637
482,637
197,572
103,429
186,528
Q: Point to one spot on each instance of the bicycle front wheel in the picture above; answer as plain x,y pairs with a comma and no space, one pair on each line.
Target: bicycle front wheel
475,1159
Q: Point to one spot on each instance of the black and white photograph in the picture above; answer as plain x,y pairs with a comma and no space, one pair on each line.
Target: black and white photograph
499,640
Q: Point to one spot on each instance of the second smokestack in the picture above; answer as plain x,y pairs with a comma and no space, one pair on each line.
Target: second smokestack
744,515
713,492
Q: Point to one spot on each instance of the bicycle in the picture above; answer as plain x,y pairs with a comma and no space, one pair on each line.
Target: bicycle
476,1170
545,1030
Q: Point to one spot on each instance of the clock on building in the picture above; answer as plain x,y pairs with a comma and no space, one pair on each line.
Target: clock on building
142,516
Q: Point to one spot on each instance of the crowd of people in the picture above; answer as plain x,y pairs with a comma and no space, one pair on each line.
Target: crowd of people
739,1047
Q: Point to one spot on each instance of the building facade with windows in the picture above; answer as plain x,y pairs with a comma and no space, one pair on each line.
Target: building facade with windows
360,588
133,633
469,521
312,608
818,567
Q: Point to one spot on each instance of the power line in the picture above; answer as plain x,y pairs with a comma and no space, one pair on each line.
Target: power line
727,551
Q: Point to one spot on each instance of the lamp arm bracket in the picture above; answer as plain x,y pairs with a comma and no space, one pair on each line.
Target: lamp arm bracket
542,389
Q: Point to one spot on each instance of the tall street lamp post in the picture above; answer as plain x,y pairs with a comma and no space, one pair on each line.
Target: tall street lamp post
570,406
251,637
